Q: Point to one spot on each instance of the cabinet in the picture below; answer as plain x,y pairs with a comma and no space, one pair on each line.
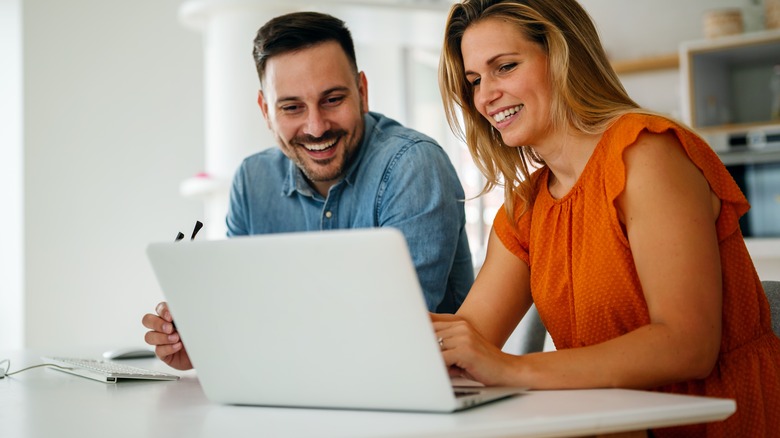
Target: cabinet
727,97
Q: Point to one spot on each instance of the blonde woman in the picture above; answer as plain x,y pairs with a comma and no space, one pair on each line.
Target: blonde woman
619,224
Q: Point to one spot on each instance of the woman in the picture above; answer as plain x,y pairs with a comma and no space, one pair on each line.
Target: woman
626,236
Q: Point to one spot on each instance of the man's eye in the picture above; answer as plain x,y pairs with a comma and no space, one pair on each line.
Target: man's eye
290,108
334,100
475,82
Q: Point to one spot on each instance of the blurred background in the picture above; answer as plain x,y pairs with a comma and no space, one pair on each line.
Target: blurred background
121,124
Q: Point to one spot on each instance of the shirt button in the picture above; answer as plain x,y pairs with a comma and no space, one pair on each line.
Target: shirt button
328,214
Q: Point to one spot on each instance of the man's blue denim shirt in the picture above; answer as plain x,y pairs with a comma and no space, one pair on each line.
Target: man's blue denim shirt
399,178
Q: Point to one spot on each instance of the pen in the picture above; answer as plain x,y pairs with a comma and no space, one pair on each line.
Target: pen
198,226
180,236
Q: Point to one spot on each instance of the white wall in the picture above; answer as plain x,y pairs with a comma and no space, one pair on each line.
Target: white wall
113,122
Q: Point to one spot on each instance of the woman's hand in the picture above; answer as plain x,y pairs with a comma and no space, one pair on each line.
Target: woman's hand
468,354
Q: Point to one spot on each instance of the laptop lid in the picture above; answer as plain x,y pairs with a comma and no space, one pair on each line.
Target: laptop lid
332,319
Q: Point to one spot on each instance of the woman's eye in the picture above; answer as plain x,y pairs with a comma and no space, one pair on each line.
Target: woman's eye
507,67
474,82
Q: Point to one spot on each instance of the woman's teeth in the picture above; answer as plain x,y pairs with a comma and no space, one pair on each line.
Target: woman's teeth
506,113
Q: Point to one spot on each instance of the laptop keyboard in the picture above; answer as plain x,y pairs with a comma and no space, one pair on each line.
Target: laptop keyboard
105,371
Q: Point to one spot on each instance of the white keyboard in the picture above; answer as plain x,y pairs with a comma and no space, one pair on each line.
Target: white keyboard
105,371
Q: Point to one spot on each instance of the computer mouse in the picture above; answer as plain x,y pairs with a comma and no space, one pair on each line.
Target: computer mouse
129,353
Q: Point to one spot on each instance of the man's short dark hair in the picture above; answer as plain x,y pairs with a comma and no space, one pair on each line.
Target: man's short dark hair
300,30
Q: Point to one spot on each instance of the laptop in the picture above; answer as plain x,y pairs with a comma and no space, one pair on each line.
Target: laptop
326,319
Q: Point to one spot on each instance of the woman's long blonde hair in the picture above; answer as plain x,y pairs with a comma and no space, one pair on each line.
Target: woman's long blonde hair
587,93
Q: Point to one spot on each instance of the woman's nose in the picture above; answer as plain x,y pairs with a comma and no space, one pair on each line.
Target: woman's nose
486,93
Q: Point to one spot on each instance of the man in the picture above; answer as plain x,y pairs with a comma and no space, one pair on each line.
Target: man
338,166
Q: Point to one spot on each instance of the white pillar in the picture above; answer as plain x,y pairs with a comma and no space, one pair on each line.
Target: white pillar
11,177
234,126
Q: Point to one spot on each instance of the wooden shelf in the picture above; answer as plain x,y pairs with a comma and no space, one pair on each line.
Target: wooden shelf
650,63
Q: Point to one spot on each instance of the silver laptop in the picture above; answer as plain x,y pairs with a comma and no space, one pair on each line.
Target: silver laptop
330,319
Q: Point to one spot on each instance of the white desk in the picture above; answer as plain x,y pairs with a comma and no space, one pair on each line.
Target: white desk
46,403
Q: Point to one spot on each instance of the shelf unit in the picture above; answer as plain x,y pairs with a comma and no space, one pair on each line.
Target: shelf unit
769,155
726,87
726,97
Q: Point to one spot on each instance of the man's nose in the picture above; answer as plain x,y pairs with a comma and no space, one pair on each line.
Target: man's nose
316,123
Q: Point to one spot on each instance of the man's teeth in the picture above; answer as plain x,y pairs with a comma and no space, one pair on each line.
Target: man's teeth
506,113
320,146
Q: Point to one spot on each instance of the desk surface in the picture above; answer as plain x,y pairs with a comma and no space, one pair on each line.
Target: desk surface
44,403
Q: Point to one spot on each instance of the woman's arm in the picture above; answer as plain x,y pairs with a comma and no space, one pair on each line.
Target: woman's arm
472,338
670,213
500,296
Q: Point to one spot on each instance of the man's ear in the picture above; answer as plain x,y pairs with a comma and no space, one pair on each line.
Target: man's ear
263,107
262,104
363,90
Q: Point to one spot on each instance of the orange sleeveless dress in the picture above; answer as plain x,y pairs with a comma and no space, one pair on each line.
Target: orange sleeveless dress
586,289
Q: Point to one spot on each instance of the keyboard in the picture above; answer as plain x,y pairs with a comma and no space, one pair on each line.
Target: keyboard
105,371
